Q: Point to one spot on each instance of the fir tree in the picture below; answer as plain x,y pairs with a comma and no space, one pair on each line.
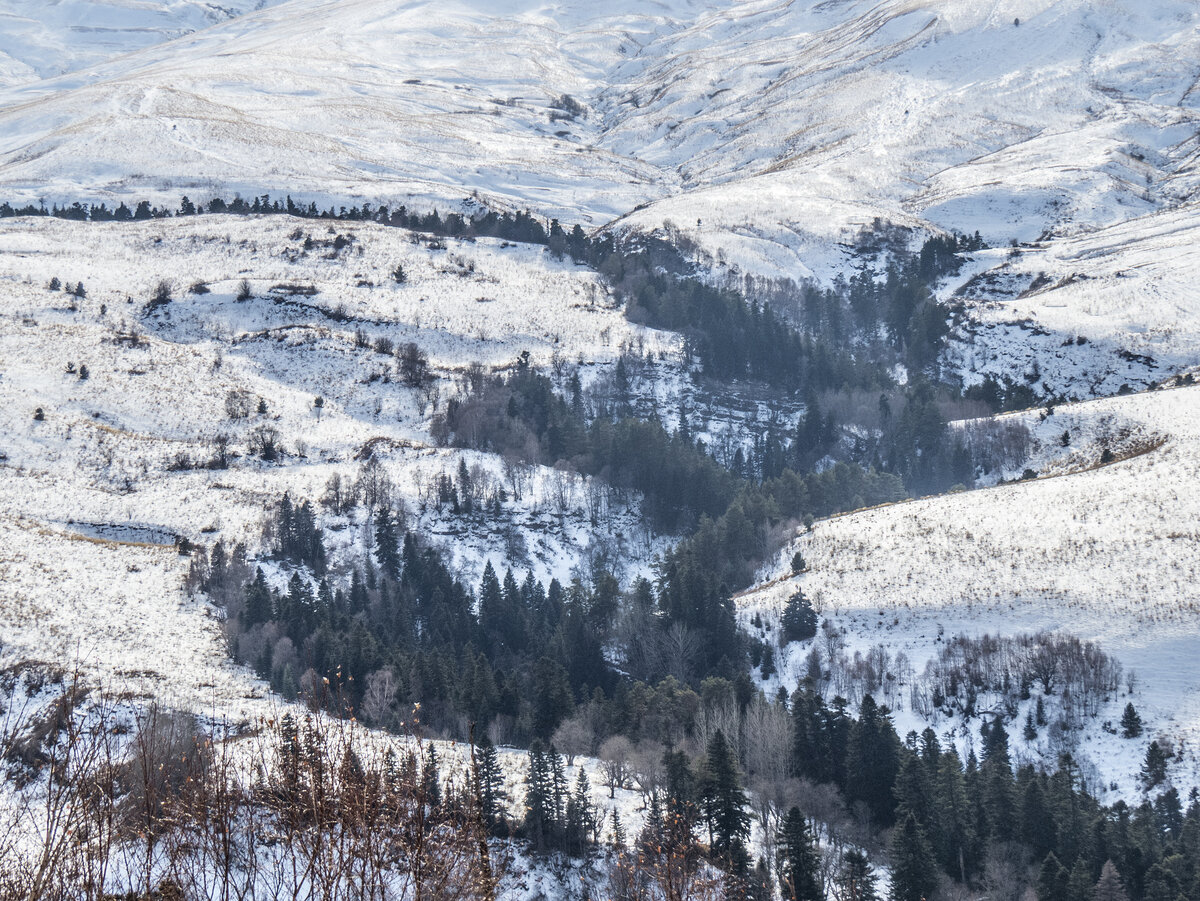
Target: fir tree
914,874
723,800
799,622
1109,886
1080,883
431,778
1037,823
856,878
491,781
914,792
580,815
1131,722
387,550
557,768
872,760
679,813
1161,884
492,615
1052,880
539,816
1154,768
996,773
954,832
761,885
258,605
618,831
653,837
552,701
799,866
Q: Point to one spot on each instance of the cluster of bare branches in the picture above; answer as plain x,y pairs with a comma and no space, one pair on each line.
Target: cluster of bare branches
120,802
973,674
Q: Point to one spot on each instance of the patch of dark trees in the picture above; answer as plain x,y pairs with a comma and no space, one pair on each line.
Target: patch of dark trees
534,662
734,522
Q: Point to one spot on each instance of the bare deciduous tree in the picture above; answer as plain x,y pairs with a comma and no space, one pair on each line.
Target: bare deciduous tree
614,762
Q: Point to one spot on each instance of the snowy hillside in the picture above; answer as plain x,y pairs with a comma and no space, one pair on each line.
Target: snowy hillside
99,488
1084,315
861,227
768,129
40,40
1108,554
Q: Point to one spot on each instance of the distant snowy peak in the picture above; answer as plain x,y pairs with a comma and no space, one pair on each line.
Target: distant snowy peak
1011,118
40,39
768,130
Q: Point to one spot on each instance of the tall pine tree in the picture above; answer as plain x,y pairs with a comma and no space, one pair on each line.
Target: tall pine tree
799,866
723,800
914,873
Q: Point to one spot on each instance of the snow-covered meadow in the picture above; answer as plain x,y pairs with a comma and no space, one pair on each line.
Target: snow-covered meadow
97,489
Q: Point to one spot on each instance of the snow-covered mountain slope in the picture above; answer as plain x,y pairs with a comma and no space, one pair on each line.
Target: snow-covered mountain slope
95,492
383,100
812,117
1108,554
1081,316
40,39
768,129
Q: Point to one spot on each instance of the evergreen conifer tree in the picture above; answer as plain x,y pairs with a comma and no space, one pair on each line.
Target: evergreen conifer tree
761,885
678,812
799,621
914,873
723,800
999,803
856,878
431,778
580,815
539,817
1154,768
387,549
872,760
557,768
1131,722
914,792
1080,883
1109,886
1052,880
491,611
258,605
653,837
1037,823
618,831
954,832
799,867
491,781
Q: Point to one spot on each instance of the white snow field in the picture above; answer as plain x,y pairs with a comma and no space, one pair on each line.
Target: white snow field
43,39
1126,290
1109,553
92,495
769,130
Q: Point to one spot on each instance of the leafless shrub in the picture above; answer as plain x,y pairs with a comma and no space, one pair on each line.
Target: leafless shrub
238,404
159,297
308,808
264,441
